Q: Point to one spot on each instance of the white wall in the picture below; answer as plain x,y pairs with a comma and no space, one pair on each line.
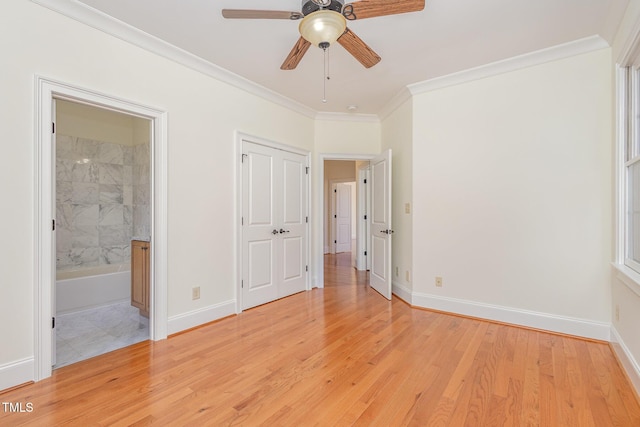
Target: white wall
203,115
512,188
397,134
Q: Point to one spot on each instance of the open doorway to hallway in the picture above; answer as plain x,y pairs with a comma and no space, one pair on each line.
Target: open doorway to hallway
344,214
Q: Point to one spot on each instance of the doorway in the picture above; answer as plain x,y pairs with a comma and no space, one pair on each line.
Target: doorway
341,205
48,92
378,218
102,204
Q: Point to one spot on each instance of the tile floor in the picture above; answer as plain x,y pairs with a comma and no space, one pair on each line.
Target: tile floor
89,333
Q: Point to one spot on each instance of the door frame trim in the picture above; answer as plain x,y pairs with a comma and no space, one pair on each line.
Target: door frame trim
240,137
318,200
46,90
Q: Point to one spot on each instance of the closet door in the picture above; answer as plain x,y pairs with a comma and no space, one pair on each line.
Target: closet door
274,231
259,231
292,275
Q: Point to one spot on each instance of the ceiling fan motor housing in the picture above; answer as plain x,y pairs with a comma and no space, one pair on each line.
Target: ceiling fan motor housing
309,6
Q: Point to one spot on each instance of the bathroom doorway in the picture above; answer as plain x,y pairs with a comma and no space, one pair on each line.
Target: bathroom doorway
49,91
102,204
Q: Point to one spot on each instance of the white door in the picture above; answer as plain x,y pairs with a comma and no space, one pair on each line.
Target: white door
342,218
274,232
293,226
381,231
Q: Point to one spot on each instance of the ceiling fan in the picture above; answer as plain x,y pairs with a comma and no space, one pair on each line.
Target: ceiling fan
324,22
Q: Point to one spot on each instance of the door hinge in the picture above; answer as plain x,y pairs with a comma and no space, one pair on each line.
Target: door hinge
365,253
335,216
335,241
53,225
306,268
53,323
53,127
243,156
335,190
242,283
365,181
306,170
365,217
306,219
241,220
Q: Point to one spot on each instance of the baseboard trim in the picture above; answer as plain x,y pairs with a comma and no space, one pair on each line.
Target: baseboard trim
628,362
201,316
16,373
401,292
531,319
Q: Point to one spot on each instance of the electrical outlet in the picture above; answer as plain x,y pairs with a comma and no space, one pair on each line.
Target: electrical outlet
438,281
407,208
397,271
617,313
195,293
407,276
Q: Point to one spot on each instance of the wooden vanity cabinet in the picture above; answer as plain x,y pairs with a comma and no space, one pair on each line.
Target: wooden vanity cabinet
140,294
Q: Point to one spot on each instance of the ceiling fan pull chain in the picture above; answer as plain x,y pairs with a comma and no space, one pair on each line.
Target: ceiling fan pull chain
326,74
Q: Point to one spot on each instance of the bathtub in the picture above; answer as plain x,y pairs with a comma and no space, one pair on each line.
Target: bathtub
92,287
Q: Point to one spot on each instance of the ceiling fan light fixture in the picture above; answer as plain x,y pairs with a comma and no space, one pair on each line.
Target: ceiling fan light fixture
322,26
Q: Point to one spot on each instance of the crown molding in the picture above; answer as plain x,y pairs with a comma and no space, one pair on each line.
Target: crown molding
96,19
348,117
576,47
101,21
394,103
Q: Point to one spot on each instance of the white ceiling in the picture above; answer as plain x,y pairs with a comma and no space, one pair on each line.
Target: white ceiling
446,37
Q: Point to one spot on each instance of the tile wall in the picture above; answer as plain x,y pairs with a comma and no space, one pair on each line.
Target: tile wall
102,200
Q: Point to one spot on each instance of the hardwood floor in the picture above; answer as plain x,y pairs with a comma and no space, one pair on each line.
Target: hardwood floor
339,356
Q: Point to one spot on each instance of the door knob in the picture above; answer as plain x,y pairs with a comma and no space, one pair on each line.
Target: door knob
274,231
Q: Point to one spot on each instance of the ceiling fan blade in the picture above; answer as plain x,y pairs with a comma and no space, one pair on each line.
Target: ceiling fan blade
372,8
359,49
260,14
296,54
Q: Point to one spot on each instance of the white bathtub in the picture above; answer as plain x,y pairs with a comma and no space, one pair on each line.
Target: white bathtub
92,287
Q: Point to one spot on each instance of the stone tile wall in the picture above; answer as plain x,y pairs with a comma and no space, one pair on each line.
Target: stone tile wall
102,200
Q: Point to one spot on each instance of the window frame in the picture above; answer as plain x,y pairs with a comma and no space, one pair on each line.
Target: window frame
627,154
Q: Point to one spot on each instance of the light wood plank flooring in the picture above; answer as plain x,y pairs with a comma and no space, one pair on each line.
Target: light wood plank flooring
338,357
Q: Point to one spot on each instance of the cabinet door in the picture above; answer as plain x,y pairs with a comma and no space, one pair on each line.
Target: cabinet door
139,275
